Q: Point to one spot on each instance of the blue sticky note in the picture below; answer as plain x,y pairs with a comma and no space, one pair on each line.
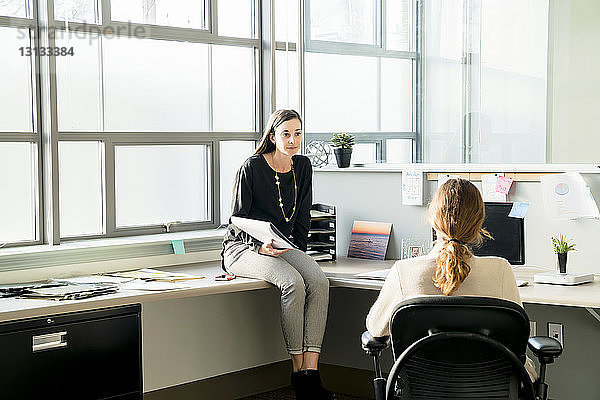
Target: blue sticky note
178,247
519,210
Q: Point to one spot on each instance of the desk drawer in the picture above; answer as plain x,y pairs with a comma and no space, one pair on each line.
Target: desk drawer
94,358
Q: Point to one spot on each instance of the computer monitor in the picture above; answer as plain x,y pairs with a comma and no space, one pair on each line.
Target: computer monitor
508,234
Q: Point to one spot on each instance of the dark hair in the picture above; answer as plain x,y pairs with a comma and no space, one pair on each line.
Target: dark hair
276,119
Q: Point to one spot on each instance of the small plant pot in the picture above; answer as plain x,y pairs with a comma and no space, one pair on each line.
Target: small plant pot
561,263
342,156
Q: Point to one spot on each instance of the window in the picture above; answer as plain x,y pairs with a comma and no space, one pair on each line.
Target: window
81,185
20,200
178,13
141,114
159,184
151,91
360,74
485,92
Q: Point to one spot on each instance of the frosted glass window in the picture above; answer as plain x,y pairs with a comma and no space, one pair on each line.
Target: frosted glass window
159,184
236,18
233,154
512,122
18,201
400,25
398,151
364,153
233,88
179,13
350,21
77,10
341,93
396,95
155,85
16,109
286,20
80,166
15,8
443,88
79,84
286,80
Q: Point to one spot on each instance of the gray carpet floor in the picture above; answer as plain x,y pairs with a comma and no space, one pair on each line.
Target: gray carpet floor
288,394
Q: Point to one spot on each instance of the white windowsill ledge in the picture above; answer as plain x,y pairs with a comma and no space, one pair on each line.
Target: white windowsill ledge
388,167
34,263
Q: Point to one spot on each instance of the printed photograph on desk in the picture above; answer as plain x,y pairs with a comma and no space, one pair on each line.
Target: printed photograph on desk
415,247
369,240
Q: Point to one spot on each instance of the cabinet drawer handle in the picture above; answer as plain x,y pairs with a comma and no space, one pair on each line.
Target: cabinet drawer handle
49,341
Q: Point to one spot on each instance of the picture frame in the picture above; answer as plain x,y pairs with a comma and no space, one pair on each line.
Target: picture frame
415,247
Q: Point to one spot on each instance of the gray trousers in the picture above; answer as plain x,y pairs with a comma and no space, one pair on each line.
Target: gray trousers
304,294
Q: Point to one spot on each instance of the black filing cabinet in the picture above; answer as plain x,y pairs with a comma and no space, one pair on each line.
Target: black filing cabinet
85,355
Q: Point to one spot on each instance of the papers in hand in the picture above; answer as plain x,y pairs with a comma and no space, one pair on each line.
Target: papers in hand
263,231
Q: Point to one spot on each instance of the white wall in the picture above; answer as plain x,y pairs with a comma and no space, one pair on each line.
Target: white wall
574,81
376,196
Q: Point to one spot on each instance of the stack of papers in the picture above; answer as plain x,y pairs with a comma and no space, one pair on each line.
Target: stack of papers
148,274
70,291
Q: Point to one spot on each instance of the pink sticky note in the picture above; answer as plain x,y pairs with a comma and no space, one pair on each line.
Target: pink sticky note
503,184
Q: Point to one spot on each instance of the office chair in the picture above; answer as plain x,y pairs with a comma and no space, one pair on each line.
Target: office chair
457,348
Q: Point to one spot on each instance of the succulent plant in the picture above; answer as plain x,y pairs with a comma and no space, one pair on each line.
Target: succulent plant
342,140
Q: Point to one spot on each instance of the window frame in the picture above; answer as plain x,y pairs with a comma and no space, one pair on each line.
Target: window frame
33,137
46,114
378,50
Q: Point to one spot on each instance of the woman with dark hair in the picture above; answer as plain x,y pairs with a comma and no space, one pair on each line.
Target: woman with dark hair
275,185
456,213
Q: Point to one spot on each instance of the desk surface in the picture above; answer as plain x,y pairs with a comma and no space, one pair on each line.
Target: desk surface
340,275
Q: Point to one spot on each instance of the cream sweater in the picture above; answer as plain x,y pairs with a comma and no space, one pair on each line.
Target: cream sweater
413,277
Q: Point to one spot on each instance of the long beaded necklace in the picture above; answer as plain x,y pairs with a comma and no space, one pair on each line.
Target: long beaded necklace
295,194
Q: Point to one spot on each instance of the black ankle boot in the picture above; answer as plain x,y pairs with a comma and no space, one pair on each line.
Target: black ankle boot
299,385
308,386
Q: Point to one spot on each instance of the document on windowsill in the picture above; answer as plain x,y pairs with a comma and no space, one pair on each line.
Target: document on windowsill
139,284
263,231
150,274
93,279
380,274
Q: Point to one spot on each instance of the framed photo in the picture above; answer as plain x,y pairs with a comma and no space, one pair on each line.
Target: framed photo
415,247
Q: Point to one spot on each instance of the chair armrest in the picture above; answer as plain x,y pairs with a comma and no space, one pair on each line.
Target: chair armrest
374,345
545,348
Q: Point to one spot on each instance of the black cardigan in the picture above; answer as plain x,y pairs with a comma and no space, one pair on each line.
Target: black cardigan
255,196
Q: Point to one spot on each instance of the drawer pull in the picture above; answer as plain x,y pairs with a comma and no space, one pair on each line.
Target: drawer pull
49,341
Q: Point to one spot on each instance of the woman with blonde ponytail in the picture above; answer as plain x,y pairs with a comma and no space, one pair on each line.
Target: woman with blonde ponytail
456,213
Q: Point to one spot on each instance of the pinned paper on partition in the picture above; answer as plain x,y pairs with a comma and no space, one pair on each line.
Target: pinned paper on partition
519,209
178,246
567,196
412,188
489,183
442,178
503,184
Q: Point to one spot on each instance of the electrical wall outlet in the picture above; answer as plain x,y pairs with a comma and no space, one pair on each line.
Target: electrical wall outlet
556,331
532,328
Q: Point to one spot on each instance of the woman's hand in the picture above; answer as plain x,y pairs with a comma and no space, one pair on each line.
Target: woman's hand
268,250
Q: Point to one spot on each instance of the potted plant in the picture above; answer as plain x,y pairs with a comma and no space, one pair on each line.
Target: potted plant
561,248
342,143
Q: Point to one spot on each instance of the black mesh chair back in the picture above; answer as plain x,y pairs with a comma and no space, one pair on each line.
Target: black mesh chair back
459,348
